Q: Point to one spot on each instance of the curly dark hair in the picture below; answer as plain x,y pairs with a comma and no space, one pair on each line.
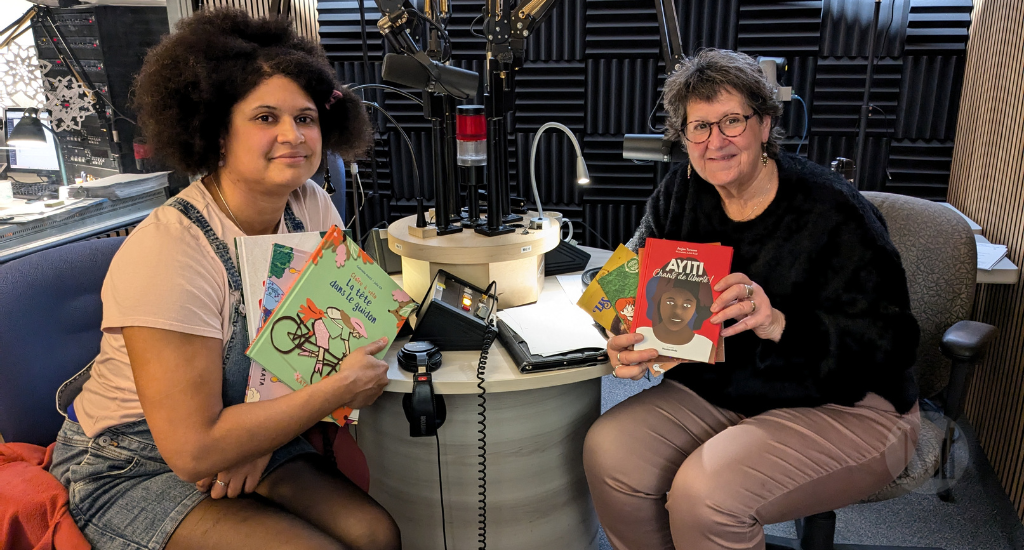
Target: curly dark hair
710,72
191,80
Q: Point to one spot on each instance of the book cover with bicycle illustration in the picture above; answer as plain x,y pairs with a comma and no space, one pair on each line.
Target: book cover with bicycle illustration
340,301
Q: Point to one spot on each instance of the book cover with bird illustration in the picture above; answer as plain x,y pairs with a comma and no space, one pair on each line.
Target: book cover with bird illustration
674,297
340,301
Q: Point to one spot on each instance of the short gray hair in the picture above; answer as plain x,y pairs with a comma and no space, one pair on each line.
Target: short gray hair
709,73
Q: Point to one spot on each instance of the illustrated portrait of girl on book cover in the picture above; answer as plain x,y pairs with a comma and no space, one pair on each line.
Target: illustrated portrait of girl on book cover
677,307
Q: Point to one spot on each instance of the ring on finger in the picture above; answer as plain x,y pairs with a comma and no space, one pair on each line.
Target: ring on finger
614,369
750,290
221,483
753,307
618,359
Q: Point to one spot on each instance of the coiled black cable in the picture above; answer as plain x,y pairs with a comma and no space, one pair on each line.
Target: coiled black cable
481,368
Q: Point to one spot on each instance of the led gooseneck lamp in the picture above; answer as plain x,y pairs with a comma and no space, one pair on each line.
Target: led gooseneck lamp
582,174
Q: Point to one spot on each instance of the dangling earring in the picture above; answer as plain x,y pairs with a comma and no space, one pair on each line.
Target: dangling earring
764,154
689,170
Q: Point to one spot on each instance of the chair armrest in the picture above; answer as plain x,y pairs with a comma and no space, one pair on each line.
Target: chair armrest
966,340
964,343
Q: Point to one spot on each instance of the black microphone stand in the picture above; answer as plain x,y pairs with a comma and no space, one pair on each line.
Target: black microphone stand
865,106
440,110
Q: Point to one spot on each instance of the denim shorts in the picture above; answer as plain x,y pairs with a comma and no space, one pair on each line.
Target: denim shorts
123,496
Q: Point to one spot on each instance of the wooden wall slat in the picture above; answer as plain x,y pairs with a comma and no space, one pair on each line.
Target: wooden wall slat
987,184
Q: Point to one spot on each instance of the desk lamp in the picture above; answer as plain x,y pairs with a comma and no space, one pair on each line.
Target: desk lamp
582,174
31,131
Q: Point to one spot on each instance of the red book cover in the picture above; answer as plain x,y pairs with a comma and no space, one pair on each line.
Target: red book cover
673,302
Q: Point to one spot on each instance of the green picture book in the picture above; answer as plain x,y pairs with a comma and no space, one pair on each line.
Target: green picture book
620,286
341,301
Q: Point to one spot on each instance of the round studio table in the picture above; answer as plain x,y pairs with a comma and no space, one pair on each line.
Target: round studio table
537,495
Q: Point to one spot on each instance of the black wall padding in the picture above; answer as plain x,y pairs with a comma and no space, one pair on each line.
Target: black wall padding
846,27
621,28
404,185
622,108
920,168
801,77
929,97
561,37
556,168
938,26
707,23
595,66
839,91
779,28
824,148
339,30
550,92
615,221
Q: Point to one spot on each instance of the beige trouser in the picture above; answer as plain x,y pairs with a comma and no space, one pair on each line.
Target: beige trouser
669,470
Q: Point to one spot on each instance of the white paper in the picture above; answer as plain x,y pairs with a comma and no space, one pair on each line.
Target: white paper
989,254
554,326
22,211
572,285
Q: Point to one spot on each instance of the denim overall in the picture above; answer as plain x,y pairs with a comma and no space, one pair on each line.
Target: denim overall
122,493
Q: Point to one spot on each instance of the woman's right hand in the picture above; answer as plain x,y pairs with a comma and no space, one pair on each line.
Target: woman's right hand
367,375
626,362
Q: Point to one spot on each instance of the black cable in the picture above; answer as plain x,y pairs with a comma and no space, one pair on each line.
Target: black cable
654,110
439,28
596,234
379,98
806,117
440,488
412,150
366,237
391,88
885,37
481,368
472,24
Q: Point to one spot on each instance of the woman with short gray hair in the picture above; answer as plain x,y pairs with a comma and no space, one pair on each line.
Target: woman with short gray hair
815,404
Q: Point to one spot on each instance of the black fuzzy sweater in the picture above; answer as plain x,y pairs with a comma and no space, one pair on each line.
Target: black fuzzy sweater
822,253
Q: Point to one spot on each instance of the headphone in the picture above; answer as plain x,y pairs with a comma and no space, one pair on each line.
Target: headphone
425,411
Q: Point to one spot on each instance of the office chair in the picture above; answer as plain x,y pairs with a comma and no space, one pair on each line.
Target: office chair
338,181
939,255
50,330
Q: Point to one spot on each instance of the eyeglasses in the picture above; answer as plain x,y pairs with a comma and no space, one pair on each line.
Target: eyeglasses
731,125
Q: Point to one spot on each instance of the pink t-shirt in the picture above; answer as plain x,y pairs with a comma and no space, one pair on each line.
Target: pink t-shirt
167,276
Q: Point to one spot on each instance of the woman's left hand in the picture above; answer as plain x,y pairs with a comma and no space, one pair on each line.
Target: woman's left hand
745,301
234,481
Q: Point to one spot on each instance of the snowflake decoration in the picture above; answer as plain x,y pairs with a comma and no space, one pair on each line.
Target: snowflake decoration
21,75
67,102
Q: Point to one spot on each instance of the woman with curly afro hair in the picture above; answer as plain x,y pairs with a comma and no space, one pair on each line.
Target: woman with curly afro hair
159,449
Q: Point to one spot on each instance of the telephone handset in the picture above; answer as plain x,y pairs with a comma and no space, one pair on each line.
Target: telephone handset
454,315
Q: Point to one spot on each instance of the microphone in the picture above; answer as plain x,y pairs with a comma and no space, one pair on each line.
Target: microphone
651,147
408,71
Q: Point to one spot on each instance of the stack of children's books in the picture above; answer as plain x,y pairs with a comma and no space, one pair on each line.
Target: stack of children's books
663,292
311,298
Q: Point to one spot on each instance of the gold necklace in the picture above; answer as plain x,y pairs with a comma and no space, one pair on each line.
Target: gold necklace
216,185
752,210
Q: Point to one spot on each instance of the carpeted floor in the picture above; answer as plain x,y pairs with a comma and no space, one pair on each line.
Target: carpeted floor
981,518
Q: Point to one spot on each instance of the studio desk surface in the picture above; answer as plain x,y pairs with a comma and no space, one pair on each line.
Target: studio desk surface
458,372
537,495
